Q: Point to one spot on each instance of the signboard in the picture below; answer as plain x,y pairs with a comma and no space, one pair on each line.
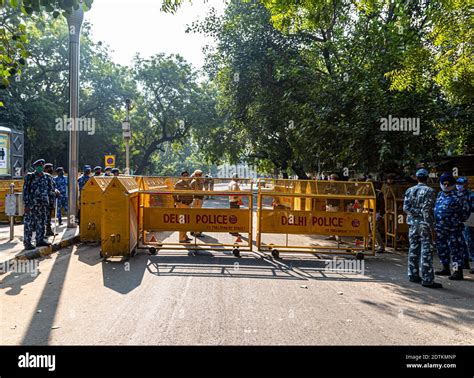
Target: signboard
317,223
189,219
4,154
109,161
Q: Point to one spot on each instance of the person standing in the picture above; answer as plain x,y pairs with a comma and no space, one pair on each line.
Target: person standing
86,175
418,205
183,201
235,201
61,182
108,171
462,186
98,171
197,184
451,211
48,172
37,193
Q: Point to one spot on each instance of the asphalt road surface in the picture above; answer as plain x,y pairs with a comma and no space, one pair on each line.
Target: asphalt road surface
218,299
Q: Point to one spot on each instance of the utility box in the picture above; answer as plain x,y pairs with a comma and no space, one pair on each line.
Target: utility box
11,153
14,205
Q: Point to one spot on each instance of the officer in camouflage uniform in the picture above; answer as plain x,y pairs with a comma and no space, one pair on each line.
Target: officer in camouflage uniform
84,177
37,193
462,186
451,211
48,172
61,184
418,205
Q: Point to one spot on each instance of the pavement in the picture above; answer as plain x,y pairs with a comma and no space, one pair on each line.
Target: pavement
13,249
215,298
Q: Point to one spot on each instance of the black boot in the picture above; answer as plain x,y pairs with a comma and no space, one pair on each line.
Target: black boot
457,275
29,247
433,285
444,272
43,243
415,279
60,221
49,231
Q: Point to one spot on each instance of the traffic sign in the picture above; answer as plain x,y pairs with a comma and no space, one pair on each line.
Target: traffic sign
110,161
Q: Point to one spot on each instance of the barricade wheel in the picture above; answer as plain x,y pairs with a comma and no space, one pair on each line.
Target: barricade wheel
153,251
275,253
133,252
101,254
359,256
236,252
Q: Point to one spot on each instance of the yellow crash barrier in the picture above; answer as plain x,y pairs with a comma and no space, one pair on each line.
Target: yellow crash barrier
91,208
343,209
4,190
163,213
119,222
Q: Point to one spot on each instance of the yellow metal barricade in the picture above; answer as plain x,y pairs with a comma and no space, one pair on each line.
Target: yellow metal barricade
91,208
163,215
342,209
4,190
119,222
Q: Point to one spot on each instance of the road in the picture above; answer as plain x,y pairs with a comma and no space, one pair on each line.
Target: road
218,299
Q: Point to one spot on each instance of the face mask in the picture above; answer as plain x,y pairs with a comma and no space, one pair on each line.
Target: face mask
39,169
460,187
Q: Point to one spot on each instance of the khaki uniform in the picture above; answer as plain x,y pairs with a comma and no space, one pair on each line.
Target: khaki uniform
182,201
234,200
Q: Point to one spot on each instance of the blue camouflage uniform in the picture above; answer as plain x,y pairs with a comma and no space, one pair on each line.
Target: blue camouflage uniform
451,211
61,184
37,193
467,233
418,205
83,181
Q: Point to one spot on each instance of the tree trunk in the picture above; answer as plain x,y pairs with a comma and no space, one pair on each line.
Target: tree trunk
298,169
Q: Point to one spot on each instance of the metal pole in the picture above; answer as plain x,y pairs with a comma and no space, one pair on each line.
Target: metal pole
12,218
74,21
127,137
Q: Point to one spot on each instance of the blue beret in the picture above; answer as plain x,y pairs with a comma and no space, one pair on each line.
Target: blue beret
447,177
38,162
462,180
86,167
97,167
422,173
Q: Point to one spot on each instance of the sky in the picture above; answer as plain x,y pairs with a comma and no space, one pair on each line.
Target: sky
138,26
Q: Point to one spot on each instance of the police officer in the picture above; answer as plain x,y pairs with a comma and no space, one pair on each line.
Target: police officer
451,211
97,170
197,184
84,177
37,193
183,201
462,186
61,184
115,172
48,172
418,205
108,171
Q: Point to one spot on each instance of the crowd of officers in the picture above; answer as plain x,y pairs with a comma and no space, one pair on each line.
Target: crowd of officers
44,193
439,222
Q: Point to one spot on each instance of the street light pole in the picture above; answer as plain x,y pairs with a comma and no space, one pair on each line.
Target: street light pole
127,135
74,21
